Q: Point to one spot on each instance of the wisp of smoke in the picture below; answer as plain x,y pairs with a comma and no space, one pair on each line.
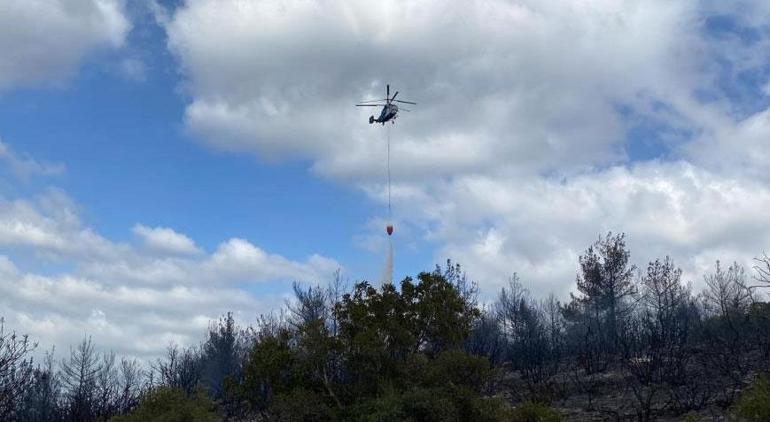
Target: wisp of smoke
387,274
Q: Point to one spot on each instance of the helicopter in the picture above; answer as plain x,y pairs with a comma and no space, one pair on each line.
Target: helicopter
389,109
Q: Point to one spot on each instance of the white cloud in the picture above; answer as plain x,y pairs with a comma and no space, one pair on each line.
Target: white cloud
68,280
538,227
136,321
240,260
527,86
164,239
43,41
50,225
738,149
234,262
131,299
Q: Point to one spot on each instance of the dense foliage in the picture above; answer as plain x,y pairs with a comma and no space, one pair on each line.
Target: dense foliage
629,343
376,354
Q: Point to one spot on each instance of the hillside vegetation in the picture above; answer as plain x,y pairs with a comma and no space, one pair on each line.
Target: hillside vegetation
630,344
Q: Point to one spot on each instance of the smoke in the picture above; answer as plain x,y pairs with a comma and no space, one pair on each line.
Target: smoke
387,273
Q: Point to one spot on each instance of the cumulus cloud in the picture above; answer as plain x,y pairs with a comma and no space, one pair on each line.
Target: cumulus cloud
50,225
44,41
520,151
132,320
164,239
525,85
234,262
539,227
134,299
738,149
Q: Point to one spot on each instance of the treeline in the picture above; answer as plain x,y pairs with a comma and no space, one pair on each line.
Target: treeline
630,343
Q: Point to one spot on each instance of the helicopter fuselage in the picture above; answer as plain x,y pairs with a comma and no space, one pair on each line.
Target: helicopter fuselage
389,112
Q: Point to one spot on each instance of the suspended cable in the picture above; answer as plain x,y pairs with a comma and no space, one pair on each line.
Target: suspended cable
389,227
388,274
390,211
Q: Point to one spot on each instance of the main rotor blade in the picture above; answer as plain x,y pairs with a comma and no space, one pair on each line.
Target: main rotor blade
405,102
369,105
372,101
388,92
394,96
403,109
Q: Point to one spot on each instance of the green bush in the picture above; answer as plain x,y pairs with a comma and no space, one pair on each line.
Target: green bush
535,412
754,403
172,405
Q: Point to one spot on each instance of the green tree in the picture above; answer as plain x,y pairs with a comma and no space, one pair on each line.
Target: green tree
388,353
605,281
269,371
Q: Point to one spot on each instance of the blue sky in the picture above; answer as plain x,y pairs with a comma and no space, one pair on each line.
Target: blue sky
165,162
129,159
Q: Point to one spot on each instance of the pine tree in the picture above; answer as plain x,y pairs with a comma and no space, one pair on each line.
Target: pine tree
605,281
